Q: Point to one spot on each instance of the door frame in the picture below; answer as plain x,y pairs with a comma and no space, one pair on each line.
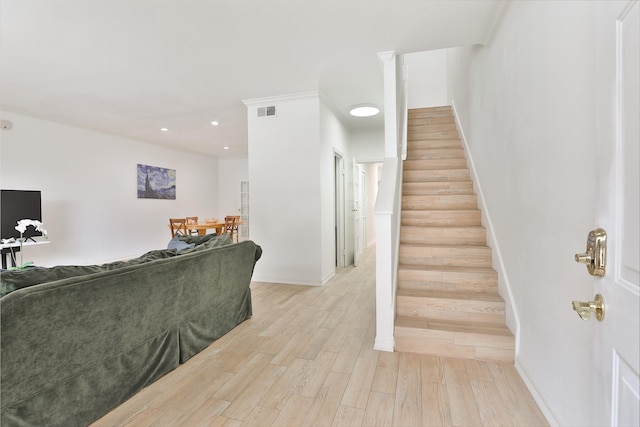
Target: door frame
339,211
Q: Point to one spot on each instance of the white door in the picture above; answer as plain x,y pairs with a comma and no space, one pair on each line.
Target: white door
617,337
357,213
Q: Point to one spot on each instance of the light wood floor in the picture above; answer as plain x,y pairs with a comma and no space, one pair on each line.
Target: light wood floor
306,358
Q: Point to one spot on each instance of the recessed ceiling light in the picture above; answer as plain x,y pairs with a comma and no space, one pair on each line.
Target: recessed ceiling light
215,123
164,129
226,148
364,111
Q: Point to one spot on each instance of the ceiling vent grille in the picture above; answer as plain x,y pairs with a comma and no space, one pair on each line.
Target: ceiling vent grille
269,111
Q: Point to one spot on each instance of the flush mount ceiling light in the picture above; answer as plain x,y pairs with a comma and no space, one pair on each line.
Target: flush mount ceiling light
215,123
364,110
164,129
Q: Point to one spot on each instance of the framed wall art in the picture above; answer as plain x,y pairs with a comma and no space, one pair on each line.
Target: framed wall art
156,183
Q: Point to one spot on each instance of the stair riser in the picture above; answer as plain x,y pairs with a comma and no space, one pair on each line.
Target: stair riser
446,201
436,175
425,136
417,114
447,281
460,218
433,144
442,235
456,345
435,164
442,309
436,153
433,188
444,256
431,127
421,121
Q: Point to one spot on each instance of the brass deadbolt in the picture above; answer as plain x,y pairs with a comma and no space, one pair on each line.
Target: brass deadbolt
596,255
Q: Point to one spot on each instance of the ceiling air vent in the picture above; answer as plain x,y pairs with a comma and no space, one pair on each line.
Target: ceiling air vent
269,111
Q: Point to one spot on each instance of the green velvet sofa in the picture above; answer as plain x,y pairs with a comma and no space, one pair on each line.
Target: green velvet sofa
77,341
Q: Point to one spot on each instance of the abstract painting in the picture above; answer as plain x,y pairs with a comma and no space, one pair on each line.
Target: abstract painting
156,183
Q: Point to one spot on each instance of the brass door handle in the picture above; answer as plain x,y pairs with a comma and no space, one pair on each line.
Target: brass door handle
584,309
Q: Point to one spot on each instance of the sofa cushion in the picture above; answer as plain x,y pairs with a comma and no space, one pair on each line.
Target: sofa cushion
149,256
214,241
178,244
18,279
199,239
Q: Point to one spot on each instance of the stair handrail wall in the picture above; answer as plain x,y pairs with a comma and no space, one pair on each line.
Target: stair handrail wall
389,200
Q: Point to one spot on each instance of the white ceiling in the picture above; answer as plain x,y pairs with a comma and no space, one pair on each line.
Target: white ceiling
130,67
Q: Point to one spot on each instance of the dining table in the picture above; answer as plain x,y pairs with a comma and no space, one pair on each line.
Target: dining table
202,227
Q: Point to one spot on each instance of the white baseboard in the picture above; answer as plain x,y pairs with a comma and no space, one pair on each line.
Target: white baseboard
542,404
384,345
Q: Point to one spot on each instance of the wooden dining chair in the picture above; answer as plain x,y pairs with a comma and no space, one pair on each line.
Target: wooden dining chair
178,227
231,226
192,220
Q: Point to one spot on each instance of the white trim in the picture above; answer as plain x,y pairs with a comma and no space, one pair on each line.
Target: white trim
272,99
542,404
384,345
498,262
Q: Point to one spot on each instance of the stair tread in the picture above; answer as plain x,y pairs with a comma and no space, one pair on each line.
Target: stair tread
447,268
440,211
429,248
452,326
444,246
454,295
475,227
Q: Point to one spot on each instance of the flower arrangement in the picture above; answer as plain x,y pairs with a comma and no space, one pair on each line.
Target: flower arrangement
22,227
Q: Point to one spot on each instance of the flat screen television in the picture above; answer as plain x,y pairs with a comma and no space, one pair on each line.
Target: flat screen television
16,205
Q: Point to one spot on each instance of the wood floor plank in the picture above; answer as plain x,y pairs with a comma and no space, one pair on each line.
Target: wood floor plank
285,385
294,412
260,416
435,405
254,392
306,358
379,411
232,388
357,393
385,379
313,379
327,400
408,404
464,410
348,417
203,414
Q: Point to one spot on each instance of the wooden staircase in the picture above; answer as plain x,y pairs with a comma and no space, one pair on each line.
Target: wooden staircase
447,302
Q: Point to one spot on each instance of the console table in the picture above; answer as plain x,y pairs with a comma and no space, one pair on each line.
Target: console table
9,249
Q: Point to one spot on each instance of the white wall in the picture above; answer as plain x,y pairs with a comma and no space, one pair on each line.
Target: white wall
427,78
284,175
89,195
367,146
527,107
231,172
